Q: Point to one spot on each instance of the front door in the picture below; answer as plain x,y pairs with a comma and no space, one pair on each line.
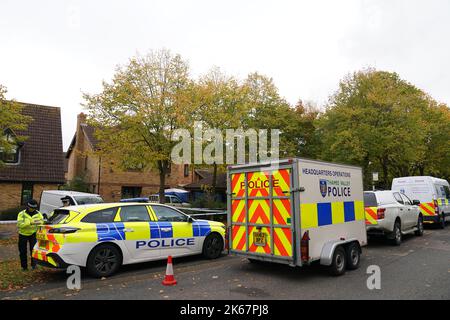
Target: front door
137,224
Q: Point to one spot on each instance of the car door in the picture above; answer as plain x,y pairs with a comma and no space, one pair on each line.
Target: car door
137,222
402,211
411,211
177,232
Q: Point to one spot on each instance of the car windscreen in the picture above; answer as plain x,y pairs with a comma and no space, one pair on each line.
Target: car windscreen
370,200
88,200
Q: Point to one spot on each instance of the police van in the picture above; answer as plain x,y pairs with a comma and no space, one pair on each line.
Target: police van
433,194
102,237
297,211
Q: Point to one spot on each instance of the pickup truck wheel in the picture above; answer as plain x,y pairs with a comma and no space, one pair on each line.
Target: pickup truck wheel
397,234
353,256
338,264
419,231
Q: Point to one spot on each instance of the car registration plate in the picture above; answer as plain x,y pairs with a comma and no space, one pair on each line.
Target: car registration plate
260,239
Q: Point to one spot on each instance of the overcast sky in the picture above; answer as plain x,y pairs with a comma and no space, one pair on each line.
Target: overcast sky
51,51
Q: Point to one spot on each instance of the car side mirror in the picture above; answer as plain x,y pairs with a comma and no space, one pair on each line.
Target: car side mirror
190,220
416,202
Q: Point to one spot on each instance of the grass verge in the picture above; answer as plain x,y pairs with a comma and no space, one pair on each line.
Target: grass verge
13,278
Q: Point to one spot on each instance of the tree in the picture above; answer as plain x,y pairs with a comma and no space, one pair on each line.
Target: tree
268,110
11,121
137,112
374,120
219,106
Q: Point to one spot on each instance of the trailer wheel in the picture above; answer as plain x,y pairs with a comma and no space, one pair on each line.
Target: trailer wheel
353,256
339,263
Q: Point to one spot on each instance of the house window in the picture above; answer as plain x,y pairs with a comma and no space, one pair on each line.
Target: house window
131,192
27,192
10,156
186,170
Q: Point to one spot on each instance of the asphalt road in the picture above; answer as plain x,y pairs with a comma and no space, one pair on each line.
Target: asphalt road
418,269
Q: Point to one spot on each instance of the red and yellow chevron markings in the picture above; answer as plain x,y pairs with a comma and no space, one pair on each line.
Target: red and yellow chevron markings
239,238
428,209
258,184
371,215
282,211
281,182
238,185
282,239
238,214
259,211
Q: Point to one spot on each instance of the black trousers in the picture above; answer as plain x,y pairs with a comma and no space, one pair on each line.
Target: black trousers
24,241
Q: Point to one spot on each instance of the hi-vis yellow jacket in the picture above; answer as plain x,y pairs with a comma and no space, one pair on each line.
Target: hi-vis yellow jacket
29,224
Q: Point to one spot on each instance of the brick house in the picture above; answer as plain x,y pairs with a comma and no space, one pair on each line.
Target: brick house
37,164
113,184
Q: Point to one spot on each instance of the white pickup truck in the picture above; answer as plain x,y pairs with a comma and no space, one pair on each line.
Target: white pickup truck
392,214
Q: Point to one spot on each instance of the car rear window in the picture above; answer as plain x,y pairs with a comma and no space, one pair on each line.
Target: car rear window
370,200
101,216
60,216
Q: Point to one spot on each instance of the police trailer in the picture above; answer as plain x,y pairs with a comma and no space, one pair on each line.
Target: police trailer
297,211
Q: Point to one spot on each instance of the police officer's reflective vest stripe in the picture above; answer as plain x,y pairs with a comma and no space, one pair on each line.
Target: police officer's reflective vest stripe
25,222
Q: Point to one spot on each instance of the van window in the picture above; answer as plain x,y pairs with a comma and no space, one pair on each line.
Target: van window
101,216
370,200
88,199
447,192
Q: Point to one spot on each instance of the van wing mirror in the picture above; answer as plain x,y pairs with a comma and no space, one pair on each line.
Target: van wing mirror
416,202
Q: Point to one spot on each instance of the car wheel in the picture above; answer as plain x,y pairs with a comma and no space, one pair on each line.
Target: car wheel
353,256
338,264
419,231
213,246
104,260
397,234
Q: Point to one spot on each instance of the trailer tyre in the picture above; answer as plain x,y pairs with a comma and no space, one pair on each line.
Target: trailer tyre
339,262
353,256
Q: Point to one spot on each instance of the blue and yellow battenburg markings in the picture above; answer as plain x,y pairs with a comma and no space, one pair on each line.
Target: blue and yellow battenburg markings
443,202
156,230
315,215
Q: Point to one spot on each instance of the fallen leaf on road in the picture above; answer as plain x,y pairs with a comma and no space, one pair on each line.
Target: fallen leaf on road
215,277
166,297
103,278
161,291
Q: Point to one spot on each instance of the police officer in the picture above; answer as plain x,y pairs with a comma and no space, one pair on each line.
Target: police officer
27,223
66,201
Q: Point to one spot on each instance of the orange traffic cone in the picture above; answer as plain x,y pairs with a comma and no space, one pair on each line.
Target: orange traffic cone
169,279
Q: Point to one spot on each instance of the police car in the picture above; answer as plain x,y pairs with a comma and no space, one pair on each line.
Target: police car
102,237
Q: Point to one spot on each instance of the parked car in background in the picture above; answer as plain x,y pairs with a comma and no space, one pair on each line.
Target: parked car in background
433,194
52,199
392,214
171,200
